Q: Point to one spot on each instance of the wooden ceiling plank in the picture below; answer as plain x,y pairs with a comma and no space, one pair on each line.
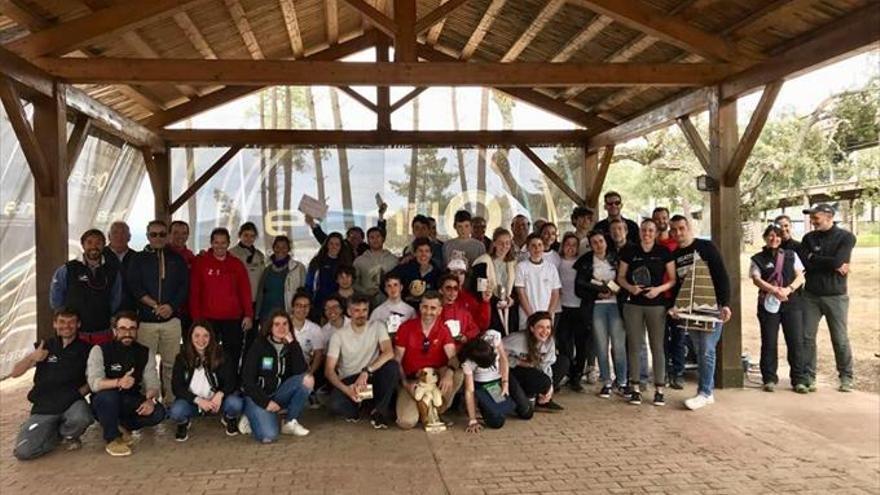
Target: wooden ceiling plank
239,18
438,15
288,10
331,11
194,35
482,28
544,16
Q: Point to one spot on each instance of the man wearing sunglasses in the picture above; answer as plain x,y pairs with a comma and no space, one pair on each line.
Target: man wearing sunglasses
425,342
614,207
158,279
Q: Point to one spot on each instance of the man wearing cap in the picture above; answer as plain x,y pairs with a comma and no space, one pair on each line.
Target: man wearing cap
826,252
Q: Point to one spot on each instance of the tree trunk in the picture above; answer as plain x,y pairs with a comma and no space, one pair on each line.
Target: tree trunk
481,151
273,152
414,164
288,152
264,200
342,154
316,152
459,153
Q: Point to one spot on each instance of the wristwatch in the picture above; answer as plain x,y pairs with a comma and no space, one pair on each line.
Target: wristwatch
366,369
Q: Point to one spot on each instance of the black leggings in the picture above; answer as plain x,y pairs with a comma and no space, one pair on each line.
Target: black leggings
231,336
572,333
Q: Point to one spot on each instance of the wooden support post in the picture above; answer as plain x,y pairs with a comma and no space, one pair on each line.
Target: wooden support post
727,235
383,93
590,171
159,171
50,199
405,37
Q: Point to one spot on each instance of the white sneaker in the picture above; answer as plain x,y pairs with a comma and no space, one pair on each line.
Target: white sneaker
293,427
244,426
699,401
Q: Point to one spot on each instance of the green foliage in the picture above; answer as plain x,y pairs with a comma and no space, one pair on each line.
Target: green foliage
432,183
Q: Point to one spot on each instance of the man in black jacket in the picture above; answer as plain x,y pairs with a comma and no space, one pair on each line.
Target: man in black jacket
614,207
826,254
158,279
91,287
59,412
692,252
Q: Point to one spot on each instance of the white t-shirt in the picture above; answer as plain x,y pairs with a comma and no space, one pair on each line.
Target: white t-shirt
393,314
551,256
199,385
311,338
328,329
567,274
483,375
603,272
355,351
539,280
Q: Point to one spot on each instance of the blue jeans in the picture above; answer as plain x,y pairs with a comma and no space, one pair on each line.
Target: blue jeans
676,349
113,408
705,344
291,395
494,413
42,432
608,327
182,410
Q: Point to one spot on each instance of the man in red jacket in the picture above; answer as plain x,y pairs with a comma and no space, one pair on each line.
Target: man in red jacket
455,315
221,293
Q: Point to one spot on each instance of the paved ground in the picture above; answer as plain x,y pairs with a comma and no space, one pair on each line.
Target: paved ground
748,442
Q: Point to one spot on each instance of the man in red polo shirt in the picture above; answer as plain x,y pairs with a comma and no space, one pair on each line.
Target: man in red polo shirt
424,342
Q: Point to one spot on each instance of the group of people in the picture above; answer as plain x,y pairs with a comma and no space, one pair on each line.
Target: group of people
503,323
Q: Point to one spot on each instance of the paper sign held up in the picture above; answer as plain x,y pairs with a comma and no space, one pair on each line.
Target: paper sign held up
312,207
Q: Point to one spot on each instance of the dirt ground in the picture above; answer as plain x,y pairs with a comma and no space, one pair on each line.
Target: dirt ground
864,323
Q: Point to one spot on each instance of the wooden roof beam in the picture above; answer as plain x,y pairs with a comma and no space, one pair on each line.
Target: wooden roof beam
584,36
288,137
852,32
482,28
331,13
79,32
438,15
670,29
288,10
231,93
286,72
354,95
194,35
239,18
543,17
551,175
405,34
380,20
21,13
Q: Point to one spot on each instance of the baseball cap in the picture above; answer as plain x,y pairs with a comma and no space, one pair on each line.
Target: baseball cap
820,208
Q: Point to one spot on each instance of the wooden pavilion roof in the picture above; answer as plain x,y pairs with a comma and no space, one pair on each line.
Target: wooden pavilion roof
651,34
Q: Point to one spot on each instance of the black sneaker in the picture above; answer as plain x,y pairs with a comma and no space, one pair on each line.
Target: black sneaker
575,386
605,393
231,426
549,406
635,397
677,383
626,392
182,433
378,421
658,399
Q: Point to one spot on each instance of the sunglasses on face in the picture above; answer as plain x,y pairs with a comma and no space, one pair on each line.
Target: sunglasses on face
451,287
158,234
613,203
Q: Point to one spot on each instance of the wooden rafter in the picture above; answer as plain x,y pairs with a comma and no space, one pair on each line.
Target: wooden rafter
79,32
331,13
379,19
438,15
280,72
194,35
696,142
298,137
77,140
634,14
204,178
482,28
543,17
434,31
22,14
231,93
584,36
851,32
291,23
601,174
551,174
761,19
239,18
144,50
